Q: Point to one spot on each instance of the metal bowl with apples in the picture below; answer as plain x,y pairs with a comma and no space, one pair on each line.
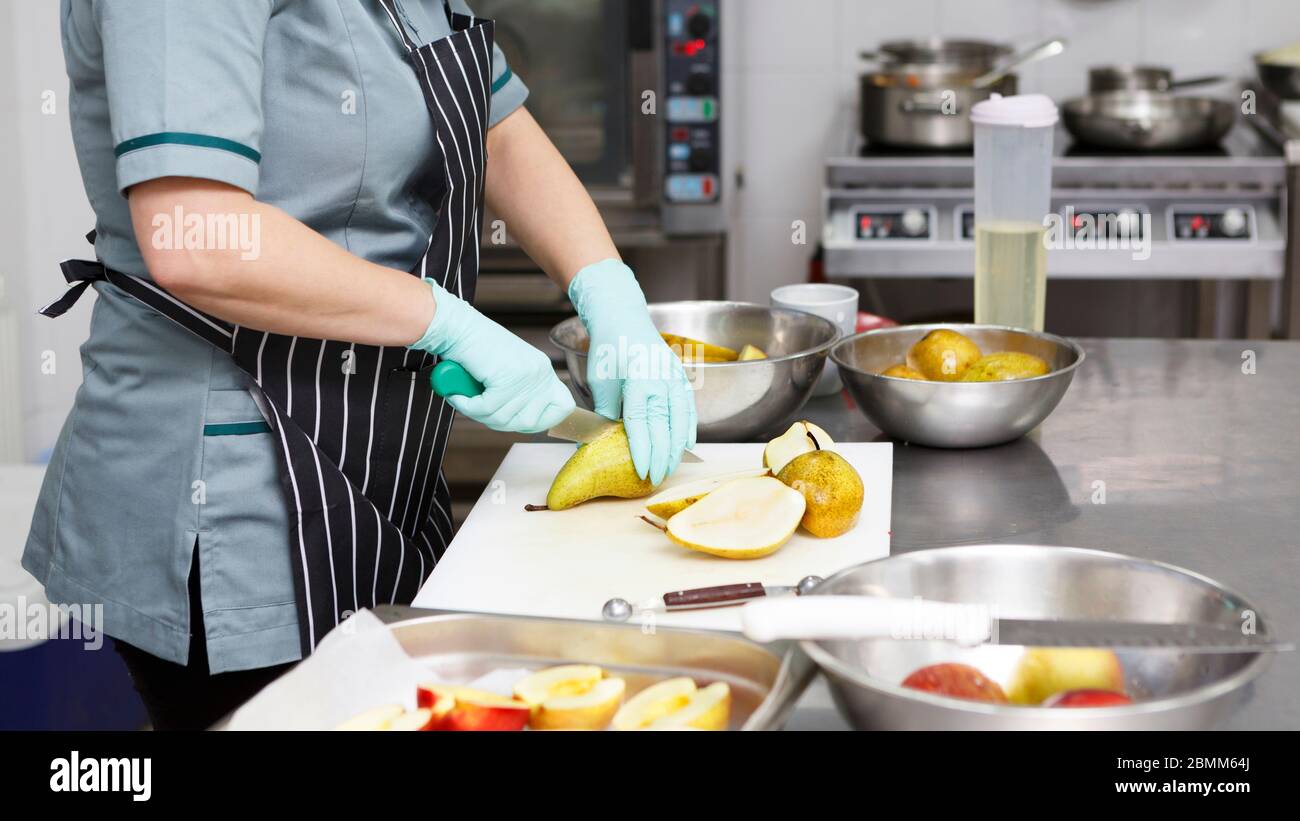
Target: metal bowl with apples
955,414
739,400
1171,689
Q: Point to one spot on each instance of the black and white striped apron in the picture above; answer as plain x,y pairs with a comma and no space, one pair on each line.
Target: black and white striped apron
360,433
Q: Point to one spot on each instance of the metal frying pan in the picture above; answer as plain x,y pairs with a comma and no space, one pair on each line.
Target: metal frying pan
1148,120
1142,78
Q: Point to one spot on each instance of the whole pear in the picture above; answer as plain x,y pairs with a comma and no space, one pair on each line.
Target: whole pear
943,355
831,488
601,467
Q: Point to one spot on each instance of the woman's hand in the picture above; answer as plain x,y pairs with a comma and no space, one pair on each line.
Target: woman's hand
521,391
631,371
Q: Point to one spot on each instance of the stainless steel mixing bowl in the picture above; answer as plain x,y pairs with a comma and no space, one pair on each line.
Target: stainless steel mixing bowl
954,414
735,401
1174,690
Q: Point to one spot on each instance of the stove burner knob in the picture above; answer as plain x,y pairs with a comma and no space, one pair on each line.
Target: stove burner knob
1233,222
914,222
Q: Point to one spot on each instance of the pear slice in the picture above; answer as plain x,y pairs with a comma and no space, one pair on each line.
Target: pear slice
693,350
742,519
602,467
675,499
795,442
751,352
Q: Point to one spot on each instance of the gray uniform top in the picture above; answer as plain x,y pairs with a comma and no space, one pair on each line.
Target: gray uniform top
311,106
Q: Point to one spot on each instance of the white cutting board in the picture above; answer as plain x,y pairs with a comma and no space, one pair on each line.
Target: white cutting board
567,564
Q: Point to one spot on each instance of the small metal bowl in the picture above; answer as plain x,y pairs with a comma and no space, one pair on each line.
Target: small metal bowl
735,401
955,414
1173,690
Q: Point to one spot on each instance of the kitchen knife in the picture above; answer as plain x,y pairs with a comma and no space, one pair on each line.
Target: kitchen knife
450,379
870,617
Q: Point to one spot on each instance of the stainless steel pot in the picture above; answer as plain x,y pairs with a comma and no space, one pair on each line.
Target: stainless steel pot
923,106
1148,120
1173,690
920,93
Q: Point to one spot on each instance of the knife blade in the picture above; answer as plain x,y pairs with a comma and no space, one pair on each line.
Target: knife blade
450,379
871,617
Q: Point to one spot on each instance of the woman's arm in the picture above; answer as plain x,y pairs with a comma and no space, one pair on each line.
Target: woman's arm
545,208
298,282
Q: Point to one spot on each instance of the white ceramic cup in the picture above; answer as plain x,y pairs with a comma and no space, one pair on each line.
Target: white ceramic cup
838,303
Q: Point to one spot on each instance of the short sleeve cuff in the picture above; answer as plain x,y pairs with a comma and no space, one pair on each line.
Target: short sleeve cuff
508,94
153,157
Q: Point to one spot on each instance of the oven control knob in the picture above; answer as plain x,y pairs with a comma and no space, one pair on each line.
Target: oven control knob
914,222
699,25
1233,222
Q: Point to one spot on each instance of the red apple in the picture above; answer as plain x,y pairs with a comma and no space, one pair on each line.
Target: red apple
956,680
1088,698
460,708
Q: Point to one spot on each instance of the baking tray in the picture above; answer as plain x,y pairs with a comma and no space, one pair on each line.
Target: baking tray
765,680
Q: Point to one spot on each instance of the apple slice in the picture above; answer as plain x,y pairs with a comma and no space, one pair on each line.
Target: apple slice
653,703
796,441
591,710
693,350
564,680
678,497
707,709
468,709
376,718
421,719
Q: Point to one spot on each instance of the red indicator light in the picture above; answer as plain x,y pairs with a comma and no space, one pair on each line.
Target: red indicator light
1198,222
693,47
708,186
1078,221
680,135
865,222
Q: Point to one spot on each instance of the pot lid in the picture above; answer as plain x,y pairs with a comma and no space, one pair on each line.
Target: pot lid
1023,110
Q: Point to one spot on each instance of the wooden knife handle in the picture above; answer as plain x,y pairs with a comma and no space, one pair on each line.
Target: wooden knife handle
704,596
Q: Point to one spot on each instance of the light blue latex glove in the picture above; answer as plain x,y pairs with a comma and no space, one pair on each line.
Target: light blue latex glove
521,391
631,370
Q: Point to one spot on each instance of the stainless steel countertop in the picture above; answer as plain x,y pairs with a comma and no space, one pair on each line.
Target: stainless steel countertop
1198,461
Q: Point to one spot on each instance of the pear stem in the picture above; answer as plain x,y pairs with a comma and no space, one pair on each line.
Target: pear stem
653,524
816,444
531,508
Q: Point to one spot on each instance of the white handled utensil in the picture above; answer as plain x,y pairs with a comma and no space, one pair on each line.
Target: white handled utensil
871,617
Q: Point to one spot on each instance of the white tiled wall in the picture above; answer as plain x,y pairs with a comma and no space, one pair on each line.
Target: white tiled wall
794,65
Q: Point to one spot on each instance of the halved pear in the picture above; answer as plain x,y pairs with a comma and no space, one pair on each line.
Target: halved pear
589,710
751,352
675,499
742,519
653,703
693,350
707,709
795,442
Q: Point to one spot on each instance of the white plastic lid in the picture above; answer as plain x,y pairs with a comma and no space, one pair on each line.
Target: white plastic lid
1023,110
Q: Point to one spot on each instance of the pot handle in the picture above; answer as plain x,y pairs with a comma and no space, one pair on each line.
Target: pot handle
923,105
865,617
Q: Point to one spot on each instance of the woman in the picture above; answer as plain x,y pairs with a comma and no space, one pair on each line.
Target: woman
255,451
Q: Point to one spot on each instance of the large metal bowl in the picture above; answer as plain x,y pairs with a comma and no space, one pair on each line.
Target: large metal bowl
954,414
735,401
1174,690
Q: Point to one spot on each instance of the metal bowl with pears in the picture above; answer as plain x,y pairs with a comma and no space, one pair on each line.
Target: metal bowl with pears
736,401
955,414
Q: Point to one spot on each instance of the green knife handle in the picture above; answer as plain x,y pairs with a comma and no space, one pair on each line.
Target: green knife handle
450,379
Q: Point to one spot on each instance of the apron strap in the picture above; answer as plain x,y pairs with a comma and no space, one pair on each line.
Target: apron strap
395,17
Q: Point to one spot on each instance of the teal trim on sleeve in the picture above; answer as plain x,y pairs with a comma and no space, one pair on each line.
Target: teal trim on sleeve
500,82
236,428
184,138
